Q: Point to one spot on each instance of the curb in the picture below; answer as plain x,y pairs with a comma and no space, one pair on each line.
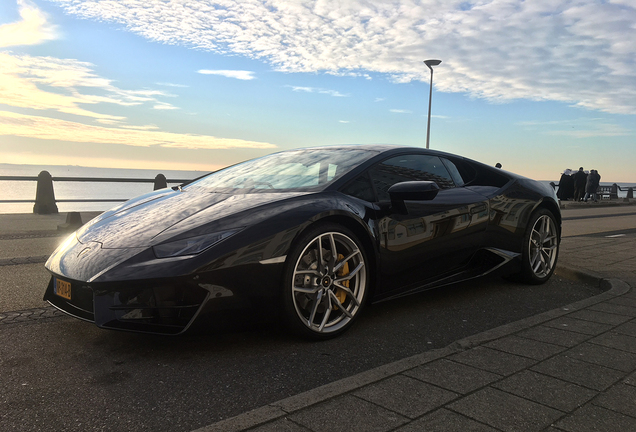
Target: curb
281,408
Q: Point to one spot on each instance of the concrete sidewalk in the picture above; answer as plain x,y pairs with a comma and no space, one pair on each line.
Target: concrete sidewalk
570,369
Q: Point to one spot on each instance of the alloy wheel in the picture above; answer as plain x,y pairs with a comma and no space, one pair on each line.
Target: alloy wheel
329,282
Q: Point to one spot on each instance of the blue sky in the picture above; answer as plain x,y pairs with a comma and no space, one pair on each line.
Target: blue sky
538,86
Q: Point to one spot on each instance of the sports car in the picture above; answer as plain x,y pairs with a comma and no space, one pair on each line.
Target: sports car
312,235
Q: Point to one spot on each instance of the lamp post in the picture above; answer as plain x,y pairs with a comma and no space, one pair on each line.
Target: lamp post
430,63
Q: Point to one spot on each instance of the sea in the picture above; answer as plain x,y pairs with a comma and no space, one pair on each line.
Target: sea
25,190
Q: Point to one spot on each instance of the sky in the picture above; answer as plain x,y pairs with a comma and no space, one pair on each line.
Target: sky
536,85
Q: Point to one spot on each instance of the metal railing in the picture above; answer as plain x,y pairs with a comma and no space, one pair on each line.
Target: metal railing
610,192
45,202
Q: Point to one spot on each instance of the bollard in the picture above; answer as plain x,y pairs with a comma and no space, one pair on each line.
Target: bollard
44,195
630,193
73,222
160,182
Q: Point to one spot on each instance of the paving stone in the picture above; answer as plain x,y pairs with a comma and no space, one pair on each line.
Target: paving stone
546,390
407,396
555,336
616,340
453,376
505,411
591,418
492,360
621,398
604,356
525,347
579,372
600,317
348,413
579,326
443,421
629,328
281,425
614,309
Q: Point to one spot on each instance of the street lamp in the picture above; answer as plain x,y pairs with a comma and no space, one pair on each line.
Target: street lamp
430,63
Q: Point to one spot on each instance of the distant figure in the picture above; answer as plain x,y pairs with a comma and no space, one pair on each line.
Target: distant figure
580,179
498,165
566,185
593,180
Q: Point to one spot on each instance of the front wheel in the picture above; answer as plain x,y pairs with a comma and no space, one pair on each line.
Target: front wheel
326,282
540,247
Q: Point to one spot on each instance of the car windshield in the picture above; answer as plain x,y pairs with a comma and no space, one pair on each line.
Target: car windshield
311,169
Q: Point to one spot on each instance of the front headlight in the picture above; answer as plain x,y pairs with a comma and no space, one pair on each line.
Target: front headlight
192,245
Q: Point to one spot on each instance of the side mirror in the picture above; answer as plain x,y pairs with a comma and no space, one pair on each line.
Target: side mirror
411,191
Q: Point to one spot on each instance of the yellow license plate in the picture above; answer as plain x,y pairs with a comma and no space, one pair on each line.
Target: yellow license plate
63,289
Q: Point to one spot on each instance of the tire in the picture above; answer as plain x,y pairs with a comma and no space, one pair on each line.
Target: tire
325,292
540,248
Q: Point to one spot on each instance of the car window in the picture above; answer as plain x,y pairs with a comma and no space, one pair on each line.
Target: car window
409,168
454,172
310,169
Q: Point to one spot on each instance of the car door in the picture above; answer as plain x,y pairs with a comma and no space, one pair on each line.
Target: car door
433,238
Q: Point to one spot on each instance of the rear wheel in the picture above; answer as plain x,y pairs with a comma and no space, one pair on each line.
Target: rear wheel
540,248
326,282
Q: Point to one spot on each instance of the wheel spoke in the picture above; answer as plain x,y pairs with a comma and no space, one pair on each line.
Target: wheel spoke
334,253
534,258
537,263
351,274
333,298
304,290
321,265
544,227
315,308
308,271
348,292
326,317
547,259
345,259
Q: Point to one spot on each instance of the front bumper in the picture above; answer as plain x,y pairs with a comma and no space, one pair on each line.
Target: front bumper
165,307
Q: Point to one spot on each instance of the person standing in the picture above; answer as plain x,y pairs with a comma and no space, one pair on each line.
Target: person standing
580,180
593,181
566,186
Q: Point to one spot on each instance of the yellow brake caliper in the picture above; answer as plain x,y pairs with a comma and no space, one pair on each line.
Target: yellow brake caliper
341,295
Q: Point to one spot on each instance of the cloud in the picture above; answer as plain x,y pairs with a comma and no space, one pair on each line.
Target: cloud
578,128
22,76
333,93
344,121
32,29
55,129
401,111
578,52
237,74
172,85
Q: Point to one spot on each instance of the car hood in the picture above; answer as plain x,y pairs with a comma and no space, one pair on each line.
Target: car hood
155,217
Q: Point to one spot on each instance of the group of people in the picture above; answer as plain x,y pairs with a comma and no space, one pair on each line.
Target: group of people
578,185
